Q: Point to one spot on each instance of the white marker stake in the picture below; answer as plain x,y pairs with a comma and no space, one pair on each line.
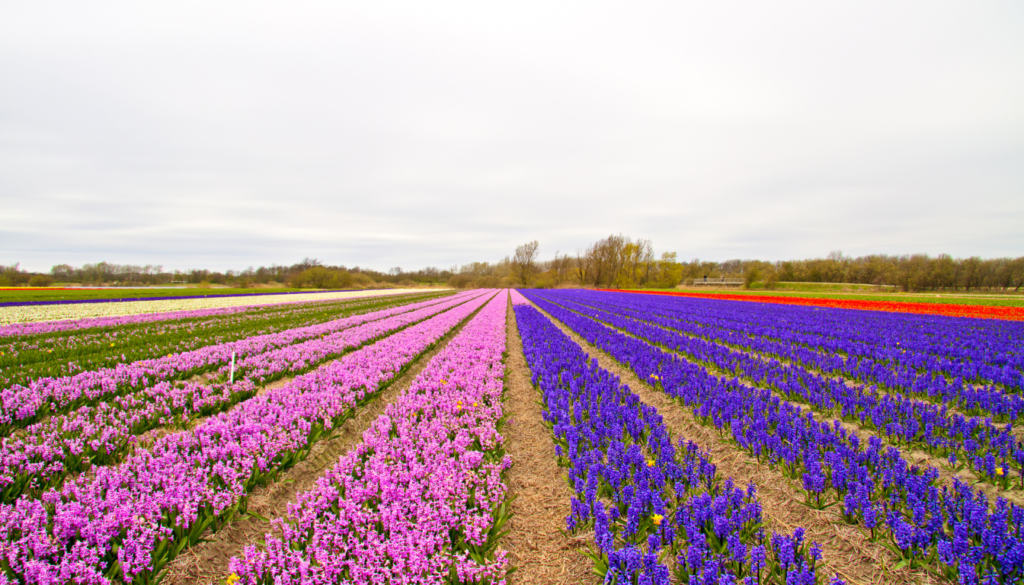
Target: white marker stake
232,367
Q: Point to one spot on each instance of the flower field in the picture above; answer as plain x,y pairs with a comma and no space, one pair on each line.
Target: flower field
687,440
947,309
34,312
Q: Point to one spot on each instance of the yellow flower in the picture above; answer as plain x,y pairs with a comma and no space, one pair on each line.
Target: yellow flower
111,345
476,404
232,579
1000,471
650,463
444,382
657,519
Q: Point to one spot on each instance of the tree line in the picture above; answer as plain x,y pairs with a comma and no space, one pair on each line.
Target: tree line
310,273
617,261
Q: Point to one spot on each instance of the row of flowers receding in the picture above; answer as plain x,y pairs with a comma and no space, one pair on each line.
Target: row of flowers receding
656,511
124,523
943,309
21,406
64,353
22,320
992,451
46,453
975,366
421,499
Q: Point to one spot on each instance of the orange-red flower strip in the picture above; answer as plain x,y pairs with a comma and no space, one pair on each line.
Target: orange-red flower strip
976,311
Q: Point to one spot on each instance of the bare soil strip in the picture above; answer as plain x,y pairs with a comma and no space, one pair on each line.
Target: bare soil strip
208,561
535,543
847,551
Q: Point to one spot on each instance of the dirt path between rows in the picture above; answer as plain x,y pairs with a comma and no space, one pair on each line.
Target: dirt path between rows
541,553
846,550
208,562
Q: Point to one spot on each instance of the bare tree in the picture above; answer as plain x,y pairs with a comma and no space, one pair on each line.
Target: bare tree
597,264
525,260
582,266
647,257
306,264
561,267
607,259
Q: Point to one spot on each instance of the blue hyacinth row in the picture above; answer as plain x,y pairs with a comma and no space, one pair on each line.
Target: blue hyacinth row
993,452
915,364
656,511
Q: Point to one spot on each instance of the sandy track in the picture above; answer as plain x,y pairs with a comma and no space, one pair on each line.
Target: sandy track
541,553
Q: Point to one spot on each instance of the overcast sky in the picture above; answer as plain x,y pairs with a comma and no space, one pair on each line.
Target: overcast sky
380,134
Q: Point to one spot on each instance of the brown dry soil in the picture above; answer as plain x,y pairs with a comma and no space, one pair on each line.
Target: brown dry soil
538,549
208,562
846,550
